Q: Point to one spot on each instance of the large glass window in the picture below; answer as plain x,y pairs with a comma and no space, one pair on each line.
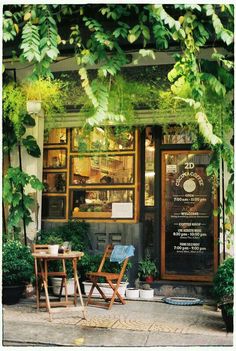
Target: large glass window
89,203
102,169
96,170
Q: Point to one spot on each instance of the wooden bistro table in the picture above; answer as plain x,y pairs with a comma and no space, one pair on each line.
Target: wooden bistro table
42,259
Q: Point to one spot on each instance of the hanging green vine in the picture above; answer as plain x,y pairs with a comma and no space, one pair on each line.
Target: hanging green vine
100,35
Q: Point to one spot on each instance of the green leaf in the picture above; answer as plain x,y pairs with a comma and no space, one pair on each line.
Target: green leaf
132,38
28,120
31,146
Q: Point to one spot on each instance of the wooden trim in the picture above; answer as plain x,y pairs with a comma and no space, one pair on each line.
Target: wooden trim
164,275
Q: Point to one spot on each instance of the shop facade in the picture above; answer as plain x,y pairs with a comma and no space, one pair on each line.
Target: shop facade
143,186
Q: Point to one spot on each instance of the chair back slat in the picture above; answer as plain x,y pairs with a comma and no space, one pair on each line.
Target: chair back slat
107,254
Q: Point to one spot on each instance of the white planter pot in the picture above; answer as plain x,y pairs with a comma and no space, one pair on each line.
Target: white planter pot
53,249
56,286
146,294
33,106
105,288
132,293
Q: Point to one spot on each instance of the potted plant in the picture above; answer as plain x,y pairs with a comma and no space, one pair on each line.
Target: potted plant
54,242
147,270
17,270
48,94
146,292
223,290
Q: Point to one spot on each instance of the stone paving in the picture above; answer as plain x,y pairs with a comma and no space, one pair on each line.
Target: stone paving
149,318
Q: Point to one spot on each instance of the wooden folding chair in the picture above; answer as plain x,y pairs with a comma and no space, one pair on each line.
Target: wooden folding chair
40,270
113,279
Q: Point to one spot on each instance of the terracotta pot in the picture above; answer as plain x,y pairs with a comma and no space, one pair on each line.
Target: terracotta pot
149,279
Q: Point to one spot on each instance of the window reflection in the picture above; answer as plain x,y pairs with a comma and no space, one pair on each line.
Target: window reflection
148,235
54,158
97,203
102,169
102,139
55,136
54,182
177,135
149,168
53,207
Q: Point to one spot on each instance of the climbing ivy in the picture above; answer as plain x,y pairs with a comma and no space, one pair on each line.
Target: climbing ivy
100,34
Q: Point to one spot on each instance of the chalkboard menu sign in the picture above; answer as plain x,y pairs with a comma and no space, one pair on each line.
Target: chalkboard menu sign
188,223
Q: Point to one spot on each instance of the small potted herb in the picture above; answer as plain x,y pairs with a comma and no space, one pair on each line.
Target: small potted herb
17,270
223,290
54,242
147,270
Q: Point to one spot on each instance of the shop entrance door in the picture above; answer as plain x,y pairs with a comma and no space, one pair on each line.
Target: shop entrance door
188,225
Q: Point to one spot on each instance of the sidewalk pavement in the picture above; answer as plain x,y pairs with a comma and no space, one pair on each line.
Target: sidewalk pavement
137,323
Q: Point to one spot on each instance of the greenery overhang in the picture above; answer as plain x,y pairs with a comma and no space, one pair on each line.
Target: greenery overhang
100,35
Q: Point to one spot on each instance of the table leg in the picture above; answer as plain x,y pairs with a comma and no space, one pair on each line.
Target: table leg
78,287
45,285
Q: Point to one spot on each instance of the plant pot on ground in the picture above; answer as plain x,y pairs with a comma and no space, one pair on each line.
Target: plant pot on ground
17,270
132,293
147,270
223,290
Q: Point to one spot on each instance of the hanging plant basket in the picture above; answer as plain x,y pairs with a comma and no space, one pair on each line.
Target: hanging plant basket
33,106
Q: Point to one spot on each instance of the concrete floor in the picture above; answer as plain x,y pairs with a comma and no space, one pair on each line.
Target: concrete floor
137,323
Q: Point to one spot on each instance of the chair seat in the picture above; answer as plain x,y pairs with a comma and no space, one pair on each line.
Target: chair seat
110,276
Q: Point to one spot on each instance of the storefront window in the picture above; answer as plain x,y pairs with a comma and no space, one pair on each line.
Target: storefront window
104,159
55,136
87,203
149,168
54,158
101,139
102,169
54,182
53,207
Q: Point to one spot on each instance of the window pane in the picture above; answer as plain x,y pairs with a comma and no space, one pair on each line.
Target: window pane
148,240
100,139
53,207
102,169
149,168
54,182
54,158
55,136
177,135
98,203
